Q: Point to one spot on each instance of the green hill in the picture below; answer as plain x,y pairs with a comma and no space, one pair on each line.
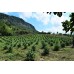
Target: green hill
11,25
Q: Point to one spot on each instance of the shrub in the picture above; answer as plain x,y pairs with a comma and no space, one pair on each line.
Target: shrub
30,56
5,47
33,48
19,45
51,44
25,46
67,43
36,42
62,45
45,52
14,45
29,44
43,45
56,47
9,50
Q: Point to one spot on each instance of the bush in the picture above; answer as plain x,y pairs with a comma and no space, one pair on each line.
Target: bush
56,48
19,45
62,45
30,56
9,50
43,45
37,43
29,44
25,46
67,43
45,52
33,48
5,48
51,44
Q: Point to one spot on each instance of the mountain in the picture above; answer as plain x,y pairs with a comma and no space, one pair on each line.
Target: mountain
11,25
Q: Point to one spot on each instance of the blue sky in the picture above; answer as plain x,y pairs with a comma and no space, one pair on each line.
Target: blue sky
42,21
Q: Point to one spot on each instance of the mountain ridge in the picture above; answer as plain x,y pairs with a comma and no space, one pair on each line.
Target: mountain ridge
13,25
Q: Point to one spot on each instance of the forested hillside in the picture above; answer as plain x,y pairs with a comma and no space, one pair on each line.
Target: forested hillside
11,25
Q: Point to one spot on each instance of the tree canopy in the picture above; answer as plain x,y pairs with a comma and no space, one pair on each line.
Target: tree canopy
56,13
69,25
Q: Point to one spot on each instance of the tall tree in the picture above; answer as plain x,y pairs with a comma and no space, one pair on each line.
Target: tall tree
69,25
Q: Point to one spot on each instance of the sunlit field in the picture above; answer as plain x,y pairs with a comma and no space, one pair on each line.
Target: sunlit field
36,47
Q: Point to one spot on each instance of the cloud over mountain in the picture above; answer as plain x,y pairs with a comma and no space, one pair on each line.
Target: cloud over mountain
52,20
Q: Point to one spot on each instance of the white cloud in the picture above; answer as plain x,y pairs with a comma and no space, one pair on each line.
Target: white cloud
56,29
46,19
41,17
25,15
55,20
56,23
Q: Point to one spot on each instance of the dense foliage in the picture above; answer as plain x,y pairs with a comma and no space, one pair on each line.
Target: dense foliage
56,13
68,25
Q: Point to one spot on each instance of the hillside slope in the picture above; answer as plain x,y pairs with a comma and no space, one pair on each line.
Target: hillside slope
11,25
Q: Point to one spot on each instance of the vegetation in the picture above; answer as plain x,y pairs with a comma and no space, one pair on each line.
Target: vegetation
19,40
11,25
56,13
56,48
32,47
45,52
69,26
62,45
30,56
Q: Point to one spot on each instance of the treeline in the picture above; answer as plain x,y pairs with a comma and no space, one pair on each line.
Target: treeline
54,33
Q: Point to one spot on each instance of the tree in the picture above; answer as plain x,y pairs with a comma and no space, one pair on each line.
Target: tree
5,29
66,25
56,13
69,26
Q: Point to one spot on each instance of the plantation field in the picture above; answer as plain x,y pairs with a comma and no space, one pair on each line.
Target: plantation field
36,47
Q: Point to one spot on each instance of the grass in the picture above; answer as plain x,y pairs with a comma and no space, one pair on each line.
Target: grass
65,54
19,47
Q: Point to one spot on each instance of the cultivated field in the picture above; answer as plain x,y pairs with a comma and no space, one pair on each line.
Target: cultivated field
36,47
